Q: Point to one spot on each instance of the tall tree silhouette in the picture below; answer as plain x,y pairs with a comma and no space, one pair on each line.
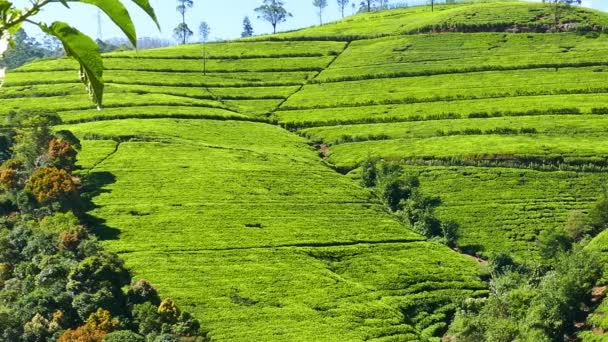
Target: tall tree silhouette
247,28
320,4
342,4
182,32
274,12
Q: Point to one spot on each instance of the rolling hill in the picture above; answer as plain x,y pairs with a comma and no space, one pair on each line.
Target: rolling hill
205,179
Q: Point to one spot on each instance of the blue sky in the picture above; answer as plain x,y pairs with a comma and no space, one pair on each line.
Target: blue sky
224,16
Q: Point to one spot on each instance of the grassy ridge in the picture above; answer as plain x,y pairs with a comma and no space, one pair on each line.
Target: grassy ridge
299,294
460,109
76,102
468,17
559,125
187,79
239,50
569,149
475,85
180,65
458,52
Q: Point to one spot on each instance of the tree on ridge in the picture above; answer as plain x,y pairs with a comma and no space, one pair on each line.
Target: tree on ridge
182,32
320,4
274,12
342,4
247,28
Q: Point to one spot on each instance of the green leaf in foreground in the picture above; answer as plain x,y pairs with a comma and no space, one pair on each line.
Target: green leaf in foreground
86,52
145,6
118,14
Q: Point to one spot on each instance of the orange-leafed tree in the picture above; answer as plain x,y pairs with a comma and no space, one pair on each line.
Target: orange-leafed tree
61,154
49,184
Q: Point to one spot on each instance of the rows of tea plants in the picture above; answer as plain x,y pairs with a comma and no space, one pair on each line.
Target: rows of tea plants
460,52
475,85
487,105
193,65
234,80
437,110
504,209
463,17
220,205
241,221
555,125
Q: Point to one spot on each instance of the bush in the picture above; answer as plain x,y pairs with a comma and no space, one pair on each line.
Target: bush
123,336
49,184
168,311
501,263
165,338
402,196
142,292
146,317
82,334
369,173
61,154
552,242
450,233
102,320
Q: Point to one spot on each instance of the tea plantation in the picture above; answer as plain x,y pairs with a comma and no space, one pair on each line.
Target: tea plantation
204,177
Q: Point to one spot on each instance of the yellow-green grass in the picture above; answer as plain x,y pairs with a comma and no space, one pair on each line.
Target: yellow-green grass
212,212
536,148
254,107
81,102
197,66
502,106
558,125
243,79
94,152
157,111
504,209
472,16
245,226
463,52
254,92
450,87
46,90
350,293
239,50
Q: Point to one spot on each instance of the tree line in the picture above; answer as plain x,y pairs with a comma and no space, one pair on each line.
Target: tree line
275,13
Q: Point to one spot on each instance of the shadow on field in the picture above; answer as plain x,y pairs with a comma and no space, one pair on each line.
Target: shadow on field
93,186
473,250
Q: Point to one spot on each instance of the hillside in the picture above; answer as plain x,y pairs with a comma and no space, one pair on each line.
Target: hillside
207,184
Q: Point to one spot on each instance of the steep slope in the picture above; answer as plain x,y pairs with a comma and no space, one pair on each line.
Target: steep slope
239,220
469,16
508,129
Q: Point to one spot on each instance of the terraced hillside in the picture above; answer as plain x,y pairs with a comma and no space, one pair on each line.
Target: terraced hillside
207,184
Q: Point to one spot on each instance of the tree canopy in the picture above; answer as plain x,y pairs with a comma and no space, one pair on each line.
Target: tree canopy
274,12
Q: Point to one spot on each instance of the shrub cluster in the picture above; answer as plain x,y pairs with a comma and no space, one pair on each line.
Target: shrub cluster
56,281
402,196
539,301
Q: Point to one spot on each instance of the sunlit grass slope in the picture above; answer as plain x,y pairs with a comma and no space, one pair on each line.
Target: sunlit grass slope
244,225
508,129
471,16
204,179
